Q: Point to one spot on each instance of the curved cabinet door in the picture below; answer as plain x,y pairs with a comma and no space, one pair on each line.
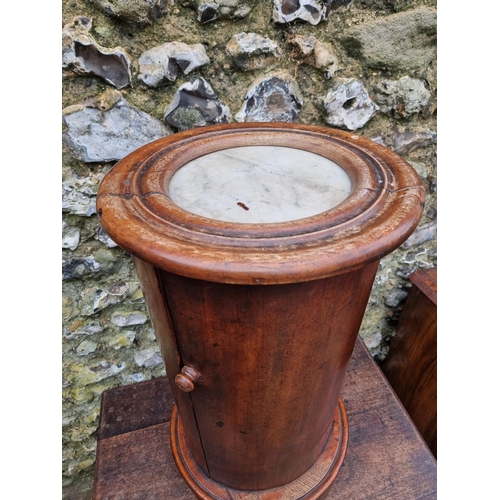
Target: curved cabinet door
271,361
154,296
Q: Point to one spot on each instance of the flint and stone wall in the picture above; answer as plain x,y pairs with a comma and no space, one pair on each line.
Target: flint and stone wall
137,70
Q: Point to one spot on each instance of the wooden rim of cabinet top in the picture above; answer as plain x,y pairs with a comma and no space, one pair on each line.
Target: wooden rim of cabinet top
382,210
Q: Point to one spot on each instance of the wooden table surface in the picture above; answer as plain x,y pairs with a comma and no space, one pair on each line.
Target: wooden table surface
386,456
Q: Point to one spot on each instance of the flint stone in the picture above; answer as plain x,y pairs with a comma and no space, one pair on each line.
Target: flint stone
379,140
102,262
372,340
430,109
85,348
395,297
420,168
67,419
79,267
77,202
251,51
323,55
305,43
102,236
109,263
104,369
286,11
79,193
147,358
82,54
404,142
312,11
119,289
133,378
70,237
94,300
87,329
432,184
107,128
196,104
404,271
122,319
137,12
324,58
411,257
274,98
432,214
135,294
405,41
210,10
162,64
424,233
84,178
150,335
404,97
348,105
125,339
382,276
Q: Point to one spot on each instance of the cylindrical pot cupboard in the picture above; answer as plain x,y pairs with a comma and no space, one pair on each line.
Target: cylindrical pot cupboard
256,246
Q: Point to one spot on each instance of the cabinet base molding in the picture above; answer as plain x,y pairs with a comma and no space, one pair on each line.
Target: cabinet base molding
312,485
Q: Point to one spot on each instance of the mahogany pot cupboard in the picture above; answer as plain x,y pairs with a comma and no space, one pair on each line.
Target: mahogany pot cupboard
257,318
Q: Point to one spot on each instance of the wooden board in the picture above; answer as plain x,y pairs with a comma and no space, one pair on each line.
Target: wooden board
426,281
386,456
411,366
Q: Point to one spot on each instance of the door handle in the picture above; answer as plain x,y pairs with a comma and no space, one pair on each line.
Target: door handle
187,378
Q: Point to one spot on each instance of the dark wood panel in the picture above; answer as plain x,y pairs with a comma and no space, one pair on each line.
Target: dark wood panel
411,366
139,466
386,456
426,281
134,407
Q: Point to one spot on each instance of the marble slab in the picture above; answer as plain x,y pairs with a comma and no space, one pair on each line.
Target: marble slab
259,184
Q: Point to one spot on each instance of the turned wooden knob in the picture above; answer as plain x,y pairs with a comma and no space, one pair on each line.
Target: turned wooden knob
187,378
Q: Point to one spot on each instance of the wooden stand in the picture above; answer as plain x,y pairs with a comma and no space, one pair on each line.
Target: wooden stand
387,457
256,323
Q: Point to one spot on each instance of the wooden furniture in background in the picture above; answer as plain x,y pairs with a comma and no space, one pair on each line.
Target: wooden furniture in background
411,365
256,322
387,458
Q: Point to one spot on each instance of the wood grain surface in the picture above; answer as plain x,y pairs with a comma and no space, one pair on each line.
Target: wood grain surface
313,484
411,366
386,456
273,359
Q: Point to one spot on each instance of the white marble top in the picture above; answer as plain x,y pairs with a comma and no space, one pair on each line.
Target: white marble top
259,184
